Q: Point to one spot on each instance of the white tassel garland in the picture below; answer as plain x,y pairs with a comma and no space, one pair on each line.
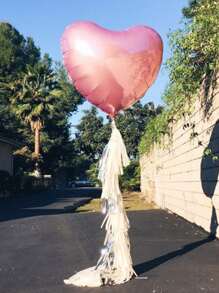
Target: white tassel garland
115,264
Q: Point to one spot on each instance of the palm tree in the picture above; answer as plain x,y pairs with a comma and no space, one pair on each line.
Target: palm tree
33,96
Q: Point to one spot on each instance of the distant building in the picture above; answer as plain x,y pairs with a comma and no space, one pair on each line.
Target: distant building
6,154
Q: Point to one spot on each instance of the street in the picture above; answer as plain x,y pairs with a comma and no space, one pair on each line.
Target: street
43,241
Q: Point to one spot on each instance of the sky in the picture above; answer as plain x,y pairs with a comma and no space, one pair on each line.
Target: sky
45,21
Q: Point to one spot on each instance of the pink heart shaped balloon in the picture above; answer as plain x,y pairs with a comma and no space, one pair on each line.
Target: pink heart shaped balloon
112,70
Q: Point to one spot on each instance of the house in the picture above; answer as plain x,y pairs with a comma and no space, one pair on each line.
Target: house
6,154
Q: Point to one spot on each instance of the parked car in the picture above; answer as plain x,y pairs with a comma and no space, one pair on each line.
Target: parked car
71,184
83,183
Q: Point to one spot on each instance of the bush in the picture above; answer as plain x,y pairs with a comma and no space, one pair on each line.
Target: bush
27,183
92,174
16,182
32,184
5,183
12,185
130,180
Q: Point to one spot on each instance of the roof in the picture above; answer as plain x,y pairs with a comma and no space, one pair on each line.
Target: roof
9,141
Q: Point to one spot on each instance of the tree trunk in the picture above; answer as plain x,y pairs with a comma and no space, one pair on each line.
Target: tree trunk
37,141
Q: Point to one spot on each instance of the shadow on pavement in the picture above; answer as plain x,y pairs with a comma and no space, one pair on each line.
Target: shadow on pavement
47,203
151,264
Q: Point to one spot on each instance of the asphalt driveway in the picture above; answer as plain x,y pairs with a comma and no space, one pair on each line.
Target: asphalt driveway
43,241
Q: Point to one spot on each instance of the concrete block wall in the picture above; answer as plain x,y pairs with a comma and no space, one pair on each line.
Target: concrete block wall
181,177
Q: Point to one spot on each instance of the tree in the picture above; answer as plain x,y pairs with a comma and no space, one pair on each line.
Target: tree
188,11
56,141
33,96
70,98
93,134
34,92
90,139
16,53
132,123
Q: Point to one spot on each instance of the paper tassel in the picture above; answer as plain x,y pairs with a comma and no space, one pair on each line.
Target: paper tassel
115,264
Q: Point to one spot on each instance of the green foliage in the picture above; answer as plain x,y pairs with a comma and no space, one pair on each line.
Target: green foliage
15,52
194,62
93,134
209,153
130,180
55,136
132,123
16,184
69,98
92,174
154,131
5,183
32,89
90,139
33,94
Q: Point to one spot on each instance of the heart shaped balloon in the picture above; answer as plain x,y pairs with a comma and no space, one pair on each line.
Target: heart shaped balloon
112,70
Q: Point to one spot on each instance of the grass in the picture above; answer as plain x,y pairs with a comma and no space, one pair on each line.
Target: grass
133,201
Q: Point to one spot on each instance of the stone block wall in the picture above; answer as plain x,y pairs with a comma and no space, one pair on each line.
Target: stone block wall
183,177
